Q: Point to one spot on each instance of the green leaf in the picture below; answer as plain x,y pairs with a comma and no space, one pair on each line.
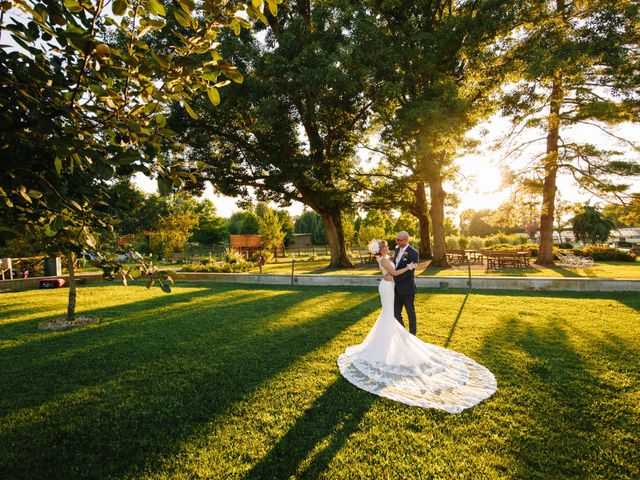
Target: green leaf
182,17
34,194
58,164
72,6
273,8
187,5
48,231
119,7
156,8
234,75
57,223
160,59
189,110
214,96
161,120
23,193
164,185
235,26
256,3
125,158
91,242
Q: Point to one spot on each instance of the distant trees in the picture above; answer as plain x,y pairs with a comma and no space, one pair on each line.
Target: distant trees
310,222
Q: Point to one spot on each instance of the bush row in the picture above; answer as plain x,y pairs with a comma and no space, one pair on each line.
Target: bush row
219,267
605,254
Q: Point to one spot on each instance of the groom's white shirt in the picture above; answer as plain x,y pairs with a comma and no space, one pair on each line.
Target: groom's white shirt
399,256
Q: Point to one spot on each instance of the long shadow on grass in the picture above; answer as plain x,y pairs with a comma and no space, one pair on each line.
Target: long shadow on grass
630,299
455,322
561,407
122,409
334,416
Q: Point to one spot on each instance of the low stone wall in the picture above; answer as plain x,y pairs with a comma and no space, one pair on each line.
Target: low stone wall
572,284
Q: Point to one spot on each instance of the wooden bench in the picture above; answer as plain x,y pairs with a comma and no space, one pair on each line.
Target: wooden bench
456,255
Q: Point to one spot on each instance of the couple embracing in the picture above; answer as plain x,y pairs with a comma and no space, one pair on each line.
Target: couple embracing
392,362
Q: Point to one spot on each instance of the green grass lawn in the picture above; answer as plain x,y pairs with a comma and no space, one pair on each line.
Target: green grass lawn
240,382
600,270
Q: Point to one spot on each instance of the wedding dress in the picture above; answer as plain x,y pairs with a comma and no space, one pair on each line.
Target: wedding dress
396,365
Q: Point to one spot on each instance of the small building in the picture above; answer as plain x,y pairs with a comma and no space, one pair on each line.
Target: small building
625,238
566,236
301,240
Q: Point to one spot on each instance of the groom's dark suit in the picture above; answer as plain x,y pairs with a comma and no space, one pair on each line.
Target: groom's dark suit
405,288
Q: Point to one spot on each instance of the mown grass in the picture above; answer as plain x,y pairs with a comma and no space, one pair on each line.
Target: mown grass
223,381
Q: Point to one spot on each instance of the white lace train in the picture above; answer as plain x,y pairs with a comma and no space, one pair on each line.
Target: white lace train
396,365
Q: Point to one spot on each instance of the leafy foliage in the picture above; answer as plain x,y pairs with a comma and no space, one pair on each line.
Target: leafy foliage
591,227
605,254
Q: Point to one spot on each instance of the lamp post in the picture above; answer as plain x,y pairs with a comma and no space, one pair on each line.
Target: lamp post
468,255
293,262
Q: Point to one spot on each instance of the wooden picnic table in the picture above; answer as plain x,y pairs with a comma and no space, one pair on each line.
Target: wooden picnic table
460,255
497,260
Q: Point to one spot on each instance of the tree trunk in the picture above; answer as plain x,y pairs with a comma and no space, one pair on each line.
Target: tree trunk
335,236
545,254
421,212
438,195
71,305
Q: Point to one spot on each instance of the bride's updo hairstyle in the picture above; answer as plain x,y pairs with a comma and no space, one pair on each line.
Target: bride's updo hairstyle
375,246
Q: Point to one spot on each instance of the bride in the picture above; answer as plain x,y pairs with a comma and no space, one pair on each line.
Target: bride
396,365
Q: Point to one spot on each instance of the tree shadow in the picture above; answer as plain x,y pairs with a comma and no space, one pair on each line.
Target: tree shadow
455,322
334,416
560,416
128,395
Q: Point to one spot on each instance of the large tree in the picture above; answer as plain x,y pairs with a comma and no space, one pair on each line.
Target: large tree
574,63
436,61
290,131
83,100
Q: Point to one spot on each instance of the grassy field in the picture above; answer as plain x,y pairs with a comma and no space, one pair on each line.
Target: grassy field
240,382
600,270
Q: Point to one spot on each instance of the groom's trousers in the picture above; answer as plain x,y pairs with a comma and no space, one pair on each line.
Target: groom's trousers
408,302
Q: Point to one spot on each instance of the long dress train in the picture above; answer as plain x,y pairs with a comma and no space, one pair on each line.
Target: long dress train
396,365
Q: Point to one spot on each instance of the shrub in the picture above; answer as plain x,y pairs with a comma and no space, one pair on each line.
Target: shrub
218,267
475,243
498,238
268,256
565,246
532,247
599,253
233,256
463,242
451,243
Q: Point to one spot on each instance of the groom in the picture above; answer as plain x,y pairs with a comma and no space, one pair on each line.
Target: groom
405,286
